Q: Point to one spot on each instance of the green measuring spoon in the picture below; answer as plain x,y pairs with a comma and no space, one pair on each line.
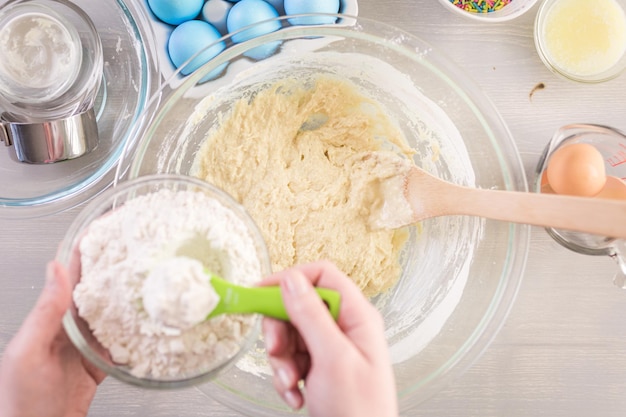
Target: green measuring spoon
264,300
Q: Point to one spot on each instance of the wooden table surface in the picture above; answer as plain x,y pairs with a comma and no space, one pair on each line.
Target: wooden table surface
562,351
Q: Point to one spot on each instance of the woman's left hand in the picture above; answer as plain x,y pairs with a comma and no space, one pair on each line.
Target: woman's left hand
42,373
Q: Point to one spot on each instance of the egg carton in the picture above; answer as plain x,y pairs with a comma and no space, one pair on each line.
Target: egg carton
162,32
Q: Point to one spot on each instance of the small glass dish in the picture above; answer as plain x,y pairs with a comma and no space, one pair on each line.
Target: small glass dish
611,143
78,329
594,52
510,11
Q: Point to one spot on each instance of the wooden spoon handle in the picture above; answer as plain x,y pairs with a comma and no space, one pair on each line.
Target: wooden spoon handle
589,215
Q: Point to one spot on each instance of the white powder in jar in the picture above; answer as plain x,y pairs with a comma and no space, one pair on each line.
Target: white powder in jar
119,251
41,55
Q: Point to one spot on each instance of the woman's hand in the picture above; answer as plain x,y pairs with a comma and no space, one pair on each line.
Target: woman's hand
42,373
345,366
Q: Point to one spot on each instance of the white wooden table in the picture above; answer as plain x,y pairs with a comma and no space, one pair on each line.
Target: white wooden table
562,351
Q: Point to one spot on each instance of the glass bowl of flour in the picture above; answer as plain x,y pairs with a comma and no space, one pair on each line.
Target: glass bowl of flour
138,256
280,122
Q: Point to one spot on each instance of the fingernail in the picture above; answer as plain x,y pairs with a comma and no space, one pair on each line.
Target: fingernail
296,283
270,341
292,400
283,377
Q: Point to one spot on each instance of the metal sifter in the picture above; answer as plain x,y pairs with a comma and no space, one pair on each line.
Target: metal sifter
50,69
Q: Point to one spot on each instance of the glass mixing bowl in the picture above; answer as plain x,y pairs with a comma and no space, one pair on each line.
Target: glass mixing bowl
129,78
459,274
78,329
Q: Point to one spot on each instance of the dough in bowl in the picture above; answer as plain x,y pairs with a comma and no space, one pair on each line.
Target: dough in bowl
294,154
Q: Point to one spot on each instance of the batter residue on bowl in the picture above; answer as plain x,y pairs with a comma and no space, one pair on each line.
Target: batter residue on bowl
293,155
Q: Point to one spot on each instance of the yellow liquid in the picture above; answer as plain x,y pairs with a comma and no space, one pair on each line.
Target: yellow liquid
585,37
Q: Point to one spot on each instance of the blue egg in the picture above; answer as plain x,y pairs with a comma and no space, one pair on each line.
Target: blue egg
190,38
215,12
261,52
308,6
175,12
279,5
249,12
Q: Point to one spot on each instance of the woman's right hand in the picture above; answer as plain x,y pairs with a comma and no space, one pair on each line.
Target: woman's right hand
345,365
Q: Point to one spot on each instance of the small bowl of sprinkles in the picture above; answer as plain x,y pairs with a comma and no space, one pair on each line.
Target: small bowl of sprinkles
489,10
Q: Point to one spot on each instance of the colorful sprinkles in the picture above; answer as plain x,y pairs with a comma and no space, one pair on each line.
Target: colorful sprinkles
480,6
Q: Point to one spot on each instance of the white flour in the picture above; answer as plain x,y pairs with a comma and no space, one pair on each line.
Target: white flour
121,249
178,294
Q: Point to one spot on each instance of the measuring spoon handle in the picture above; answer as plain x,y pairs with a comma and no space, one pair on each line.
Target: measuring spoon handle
268,301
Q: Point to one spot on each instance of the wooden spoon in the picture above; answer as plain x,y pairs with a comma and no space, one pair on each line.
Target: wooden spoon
426,196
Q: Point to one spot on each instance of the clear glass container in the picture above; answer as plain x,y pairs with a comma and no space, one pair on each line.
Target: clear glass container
78,330
580,44
460,275
611,143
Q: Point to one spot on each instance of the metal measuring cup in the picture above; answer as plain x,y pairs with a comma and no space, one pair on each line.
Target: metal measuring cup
51,66
611,143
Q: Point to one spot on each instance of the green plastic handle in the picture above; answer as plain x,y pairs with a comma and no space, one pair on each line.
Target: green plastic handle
263,300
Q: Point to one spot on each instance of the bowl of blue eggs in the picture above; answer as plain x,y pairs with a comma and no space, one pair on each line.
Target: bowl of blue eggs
184,28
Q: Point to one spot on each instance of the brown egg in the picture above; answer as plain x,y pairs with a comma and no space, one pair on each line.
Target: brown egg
614,189
577,169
